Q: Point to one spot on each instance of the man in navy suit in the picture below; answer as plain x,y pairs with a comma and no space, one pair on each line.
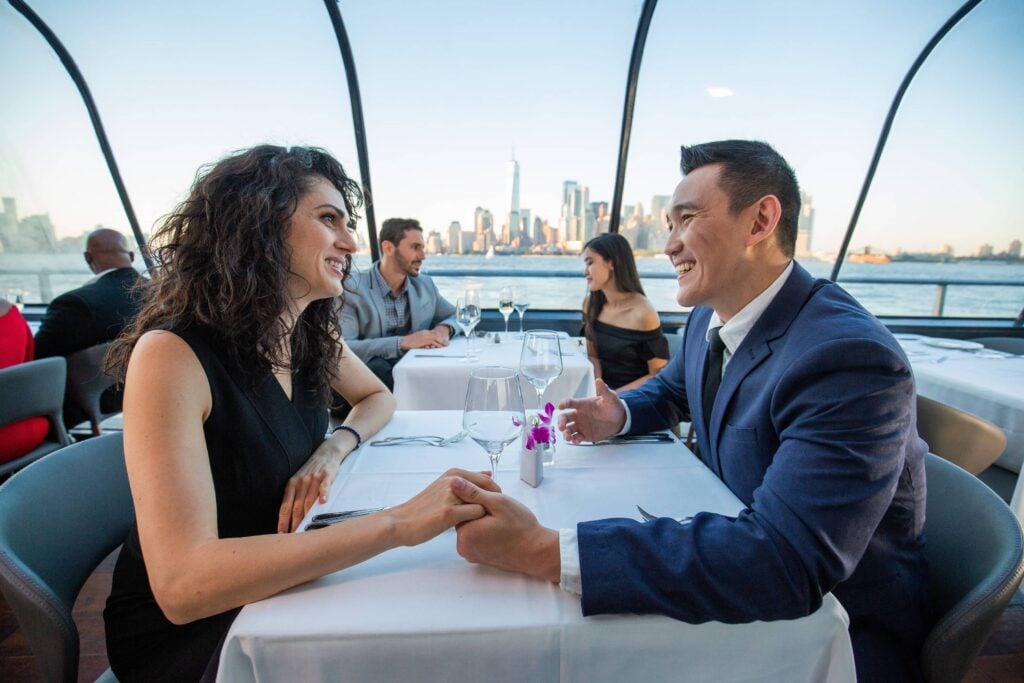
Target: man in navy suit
803,405
95,313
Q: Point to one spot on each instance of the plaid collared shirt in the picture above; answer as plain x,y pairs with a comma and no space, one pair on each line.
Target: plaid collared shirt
396,308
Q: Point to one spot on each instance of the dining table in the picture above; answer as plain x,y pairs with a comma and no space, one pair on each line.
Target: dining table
436,379
981,381
423,614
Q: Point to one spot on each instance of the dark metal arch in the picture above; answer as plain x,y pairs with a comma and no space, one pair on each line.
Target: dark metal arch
358,122
639,42
94,116
887,126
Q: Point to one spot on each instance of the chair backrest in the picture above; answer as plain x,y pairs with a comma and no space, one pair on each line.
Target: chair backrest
975,552
87,381
1007,344
962,438
675,342
59,518
32,389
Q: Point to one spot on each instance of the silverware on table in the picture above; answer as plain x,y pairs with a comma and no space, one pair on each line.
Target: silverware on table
438,355
438,441
648,517
328,518
632,439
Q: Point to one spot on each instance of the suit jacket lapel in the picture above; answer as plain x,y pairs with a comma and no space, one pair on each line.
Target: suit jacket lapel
416,321
377,298
756,347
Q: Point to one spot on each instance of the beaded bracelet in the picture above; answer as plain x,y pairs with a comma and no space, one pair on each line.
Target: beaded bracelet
353,432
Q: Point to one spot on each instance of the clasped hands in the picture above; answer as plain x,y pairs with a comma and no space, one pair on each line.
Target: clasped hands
427,339
509,536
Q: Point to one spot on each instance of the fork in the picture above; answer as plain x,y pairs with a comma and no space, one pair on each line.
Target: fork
648,517
437,441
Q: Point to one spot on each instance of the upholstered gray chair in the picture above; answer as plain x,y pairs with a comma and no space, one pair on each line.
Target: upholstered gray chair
962,438
34,389
87,381
1007,344
59,518
975,553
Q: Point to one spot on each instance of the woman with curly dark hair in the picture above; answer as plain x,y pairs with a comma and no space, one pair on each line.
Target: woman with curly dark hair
228,371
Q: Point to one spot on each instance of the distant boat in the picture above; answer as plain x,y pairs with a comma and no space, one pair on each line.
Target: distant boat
490,252
867,256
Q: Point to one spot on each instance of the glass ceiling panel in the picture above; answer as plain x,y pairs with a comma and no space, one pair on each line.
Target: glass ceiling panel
813,79
945,199
180,84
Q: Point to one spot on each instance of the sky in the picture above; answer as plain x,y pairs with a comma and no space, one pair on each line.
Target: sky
449,91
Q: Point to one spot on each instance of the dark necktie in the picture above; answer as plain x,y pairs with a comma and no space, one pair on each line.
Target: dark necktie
713,378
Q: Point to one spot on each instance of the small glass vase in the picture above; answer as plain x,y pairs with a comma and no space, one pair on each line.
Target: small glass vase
546,453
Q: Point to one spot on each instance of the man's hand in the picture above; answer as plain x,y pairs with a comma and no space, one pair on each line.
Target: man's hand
437,507
508,537
426,339
592,419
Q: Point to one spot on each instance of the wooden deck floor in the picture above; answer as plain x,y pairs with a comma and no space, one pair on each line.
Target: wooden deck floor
1002,660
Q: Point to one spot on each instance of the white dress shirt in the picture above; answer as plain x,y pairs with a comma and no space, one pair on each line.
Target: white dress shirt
732,333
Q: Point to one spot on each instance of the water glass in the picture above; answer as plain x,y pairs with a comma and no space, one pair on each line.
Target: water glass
521,301
506,304
494,410
540,360
467,315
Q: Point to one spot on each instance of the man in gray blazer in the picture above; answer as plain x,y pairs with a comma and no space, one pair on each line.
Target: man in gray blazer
390,308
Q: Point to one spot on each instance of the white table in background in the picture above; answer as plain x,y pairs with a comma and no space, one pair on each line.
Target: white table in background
986,383
423,614
436,379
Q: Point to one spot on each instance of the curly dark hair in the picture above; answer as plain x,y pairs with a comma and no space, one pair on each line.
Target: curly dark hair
220,261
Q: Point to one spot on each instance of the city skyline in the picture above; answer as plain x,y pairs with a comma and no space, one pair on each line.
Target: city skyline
179,103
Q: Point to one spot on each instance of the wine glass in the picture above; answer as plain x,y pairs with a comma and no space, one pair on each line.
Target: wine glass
494,410
521,301
467,315
540,361
506,304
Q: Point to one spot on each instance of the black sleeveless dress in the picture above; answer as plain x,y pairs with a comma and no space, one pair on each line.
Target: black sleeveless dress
624,353
257,439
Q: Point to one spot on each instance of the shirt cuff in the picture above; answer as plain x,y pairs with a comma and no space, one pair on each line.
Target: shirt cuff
398,347
629,419
570,581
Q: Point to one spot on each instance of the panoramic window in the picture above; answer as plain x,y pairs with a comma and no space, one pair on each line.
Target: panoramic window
943,206
178,85
813,79
498,130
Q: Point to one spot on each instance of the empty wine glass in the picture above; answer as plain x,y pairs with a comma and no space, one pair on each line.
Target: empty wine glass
521,301
506,304
494,410
540,361
467,315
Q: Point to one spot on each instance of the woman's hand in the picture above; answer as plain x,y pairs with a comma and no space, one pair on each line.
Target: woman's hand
437,507
310,485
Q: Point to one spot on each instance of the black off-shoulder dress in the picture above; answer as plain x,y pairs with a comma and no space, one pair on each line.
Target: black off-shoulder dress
256,439
624,353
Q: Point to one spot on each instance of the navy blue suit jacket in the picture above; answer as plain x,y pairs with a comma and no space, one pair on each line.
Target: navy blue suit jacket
814,430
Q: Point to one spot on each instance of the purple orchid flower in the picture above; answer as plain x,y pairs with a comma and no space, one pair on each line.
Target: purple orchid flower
540,431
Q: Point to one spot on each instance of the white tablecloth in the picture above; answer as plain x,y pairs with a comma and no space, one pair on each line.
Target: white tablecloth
985,383
423,614
436,379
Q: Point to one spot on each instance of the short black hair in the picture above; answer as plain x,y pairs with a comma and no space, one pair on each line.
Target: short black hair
394,229
750,170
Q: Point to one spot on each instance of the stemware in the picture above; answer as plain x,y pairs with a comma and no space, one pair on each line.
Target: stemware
494,410
506,304
467,315
540,361
521,301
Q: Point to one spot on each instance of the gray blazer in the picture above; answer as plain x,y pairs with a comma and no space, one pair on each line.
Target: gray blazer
362,316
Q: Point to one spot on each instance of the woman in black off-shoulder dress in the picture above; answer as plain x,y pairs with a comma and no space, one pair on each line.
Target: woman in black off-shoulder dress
624,338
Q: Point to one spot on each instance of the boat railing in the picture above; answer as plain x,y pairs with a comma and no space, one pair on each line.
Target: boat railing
941,285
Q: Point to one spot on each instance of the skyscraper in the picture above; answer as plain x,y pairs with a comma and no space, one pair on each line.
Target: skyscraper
483,224
454,237
512,199
805,226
